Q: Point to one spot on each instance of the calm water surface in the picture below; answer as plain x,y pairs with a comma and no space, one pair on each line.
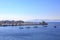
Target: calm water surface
39,33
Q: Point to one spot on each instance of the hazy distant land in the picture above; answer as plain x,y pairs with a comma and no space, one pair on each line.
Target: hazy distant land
21,23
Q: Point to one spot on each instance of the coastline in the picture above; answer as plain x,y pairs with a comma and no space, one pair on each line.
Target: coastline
21,23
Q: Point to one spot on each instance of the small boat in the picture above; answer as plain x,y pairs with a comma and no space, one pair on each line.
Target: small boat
45,26
54,26
28,27
21,28
35,26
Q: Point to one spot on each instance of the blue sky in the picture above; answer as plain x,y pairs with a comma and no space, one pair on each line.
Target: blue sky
29,9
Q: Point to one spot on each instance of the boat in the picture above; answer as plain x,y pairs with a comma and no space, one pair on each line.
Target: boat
35,26
28,27
21,28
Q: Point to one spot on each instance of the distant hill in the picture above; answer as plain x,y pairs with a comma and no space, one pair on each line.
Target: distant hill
39,20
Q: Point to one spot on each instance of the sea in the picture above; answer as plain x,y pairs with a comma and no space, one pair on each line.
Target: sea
34,32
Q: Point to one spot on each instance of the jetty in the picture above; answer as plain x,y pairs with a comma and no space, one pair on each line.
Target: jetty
20,23
43,23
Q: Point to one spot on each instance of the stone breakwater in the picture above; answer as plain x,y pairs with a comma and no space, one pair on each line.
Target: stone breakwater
20,23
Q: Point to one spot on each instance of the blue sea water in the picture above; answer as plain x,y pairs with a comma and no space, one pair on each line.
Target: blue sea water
24,33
